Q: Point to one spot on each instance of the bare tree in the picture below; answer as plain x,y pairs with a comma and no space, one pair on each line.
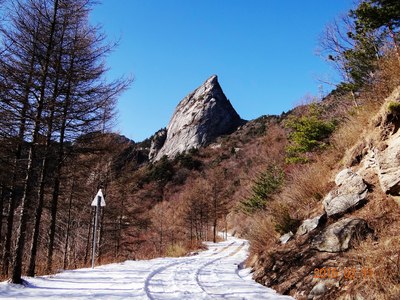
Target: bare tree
17,70
59,94
219,197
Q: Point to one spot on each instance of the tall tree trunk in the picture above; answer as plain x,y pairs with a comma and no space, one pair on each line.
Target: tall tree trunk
13,203
68,225
17,157
39,208
60,159
28,185
215,230
24,215
2,197
37,218
88,239
215,218
44,170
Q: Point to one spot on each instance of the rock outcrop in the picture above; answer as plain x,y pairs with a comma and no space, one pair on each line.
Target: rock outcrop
157,142
379,151
350,191
286,237
199,119
309,225
338,236
389,166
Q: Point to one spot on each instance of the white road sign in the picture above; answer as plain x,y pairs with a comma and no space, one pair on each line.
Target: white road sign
95,200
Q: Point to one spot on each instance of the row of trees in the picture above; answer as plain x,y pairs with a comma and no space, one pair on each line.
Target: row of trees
195,215
207,204
52,91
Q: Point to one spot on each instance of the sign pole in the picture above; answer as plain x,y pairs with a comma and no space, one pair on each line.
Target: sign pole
98,201
95,230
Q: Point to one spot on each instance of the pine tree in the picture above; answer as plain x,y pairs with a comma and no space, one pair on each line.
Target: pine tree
379,15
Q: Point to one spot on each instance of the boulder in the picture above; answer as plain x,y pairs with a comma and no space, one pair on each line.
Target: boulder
286,237
350,192
343,175
318,290
339,236
308,225
389,166
198,120
321,288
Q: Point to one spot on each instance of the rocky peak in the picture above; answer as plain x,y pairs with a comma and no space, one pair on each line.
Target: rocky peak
199,119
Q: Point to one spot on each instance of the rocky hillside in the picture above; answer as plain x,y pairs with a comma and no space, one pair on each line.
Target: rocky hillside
199,119
347,243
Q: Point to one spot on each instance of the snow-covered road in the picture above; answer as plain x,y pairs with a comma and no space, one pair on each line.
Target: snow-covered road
212,274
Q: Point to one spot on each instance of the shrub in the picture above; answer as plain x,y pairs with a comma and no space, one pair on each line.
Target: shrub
284,222
265,185
187,161
261,233
161,171
309,133
394,108
175,250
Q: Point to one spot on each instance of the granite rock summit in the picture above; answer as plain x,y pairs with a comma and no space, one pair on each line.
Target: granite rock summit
199,119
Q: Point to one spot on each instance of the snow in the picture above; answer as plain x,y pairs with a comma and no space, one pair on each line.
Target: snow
216,273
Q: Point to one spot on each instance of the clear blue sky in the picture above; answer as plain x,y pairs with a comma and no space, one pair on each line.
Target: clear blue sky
263,51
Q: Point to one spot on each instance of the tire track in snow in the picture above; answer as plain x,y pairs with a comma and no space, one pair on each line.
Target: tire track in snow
147,283
223,249
154,273
222,280
198,273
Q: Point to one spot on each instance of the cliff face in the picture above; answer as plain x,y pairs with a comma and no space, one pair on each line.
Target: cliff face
199,118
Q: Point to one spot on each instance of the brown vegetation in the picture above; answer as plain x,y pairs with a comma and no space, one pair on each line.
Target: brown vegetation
306,185
168,208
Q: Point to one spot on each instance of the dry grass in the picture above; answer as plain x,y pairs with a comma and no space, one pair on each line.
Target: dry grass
308,184
358,119
261,233
356,124
380,252
383,260
300,198
176,250
387,77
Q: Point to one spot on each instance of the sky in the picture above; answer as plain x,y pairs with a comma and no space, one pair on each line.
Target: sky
263,51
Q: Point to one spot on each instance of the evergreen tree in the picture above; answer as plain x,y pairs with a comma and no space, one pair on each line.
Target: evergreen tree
266,184
356,43
379,16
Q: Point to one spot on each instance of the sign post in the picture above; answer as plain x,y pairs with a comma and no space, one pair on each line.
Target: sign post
98,202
